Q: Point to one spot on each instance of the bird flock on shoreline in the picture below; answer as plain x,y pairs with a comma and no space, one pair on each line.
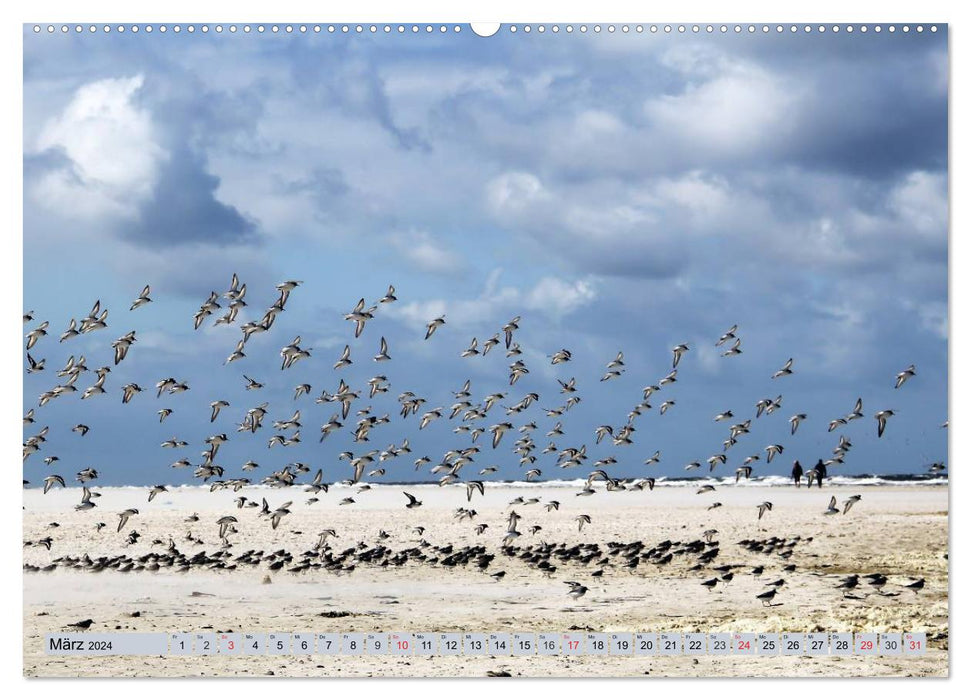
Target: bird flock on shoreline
473,417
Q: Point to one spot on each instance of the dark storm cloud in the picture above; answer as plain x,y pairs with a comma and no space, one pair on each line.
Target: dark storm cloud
184,209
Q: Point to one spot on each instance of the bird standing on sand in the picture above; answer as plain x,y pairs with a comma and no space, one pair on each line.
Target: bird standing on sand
767,597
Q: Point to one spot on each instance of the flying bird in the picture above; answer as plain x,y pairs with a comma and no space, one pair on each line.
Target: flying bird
904,376
786,369
434,325
383,356
848,503
142,298
794,422
124,516
678,351
882,417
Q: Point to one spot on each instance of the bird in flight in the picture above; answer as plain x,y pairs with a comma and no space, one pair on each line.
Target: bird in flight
882,417
904,376
786,370
434,325
142,298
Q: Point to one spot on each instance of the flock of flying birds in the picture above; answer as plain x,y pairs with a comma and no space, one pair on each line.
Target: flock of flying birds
473,421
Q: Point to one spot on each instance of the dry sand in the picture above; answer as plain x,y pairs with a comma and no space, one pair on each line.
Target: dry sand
901,531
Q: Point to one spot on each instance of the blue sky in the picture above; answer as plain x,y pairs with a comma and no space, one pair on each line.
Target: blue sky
619,192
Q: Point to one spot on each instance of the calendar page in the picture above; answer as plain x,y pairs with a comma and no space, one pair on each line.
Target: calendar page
512,350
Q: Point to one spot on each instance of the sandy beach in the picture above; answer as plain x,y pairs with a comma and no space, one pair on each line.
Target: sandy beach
900,531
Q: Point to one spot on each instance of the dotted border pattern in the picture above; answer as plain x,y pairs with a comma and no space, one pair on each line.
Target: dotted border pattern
510,28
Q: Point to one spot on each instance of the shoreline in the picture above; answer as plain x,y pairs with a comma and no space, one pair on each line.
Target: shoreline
383,573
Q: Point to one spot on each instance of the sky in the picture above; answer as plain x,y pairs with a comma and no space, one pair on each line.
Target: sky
617,192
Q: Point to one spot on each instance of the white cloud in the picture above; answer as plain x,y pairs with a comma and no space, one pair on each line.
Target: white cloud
744,107
424,252
551,296
933,316
921,202
557,297
514,191
112,147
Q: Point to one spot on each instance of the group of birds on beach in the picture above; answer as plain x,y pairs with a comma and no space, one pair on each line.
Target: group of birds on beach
473,421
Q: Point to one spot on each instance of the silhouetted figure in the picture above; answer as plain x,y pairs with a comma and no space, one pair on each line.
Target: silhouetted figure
820,470
797,474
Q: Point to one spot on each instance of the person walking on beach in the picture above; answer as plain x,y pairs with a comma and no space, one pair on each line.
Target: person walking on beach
797,474
820,470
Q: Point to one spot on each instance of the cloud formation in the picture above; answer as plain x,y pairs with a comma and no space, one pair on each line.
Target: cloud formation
618,192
